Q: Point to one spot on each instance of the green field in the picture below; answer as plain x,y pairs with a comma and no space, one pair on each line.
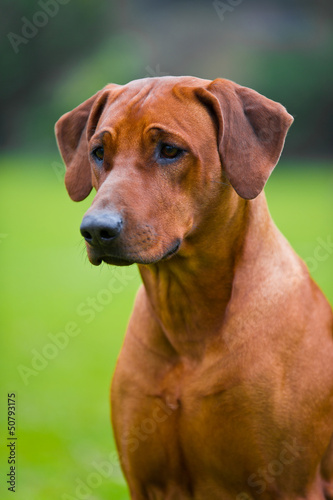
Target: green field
64,447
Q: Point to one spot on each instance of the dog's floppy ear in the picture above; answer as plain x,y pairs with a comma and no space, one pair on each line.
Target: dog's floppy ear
252,131
71,133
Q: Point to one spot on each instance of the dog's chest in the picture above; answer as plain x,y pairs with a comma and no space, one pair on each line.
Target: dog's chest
189,426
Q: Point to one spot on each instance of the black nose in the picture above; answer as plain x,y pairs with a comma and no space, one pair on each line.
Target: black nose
101,227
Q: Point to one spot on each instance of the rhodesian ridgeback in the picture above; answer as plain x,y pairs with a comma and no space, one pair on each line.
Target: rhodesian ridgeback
224,386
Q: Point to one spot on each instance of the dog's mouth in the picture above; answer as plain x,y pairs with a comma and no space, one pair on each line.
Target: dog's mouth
173,250
96,257
115,261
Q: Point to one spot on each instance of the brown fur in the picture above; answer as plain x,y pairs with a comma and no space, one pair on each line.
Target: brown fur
224,385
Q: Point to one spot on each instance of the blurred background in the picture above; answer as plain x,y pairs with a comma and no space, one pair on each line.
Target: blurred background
54,55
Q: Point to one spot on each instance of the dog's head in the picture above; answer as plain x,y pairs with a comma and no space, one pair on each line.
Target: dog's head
162,153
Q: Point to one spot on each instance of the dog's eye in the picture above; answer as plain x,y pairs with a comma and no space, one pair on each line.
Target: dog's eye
169,152
98,153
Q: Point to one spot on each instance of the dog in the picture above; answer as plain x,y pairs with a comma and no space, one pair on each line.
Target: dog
224,385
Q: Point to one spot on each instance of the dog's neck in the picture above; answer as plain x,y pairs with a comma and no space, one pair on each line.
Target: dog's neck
202,274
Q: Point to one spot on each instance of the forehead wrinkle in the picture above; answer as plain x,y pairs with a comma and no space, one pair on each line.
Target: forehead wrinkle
125,112
130,100
186,122
161,130
136,108
140,97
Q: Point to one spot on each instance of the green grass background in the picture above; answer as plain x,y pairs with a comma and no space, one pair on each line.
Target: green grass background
63,412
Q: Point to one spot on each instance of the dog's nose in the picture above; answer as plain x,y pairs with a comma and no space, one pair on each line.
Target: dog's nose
101,227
